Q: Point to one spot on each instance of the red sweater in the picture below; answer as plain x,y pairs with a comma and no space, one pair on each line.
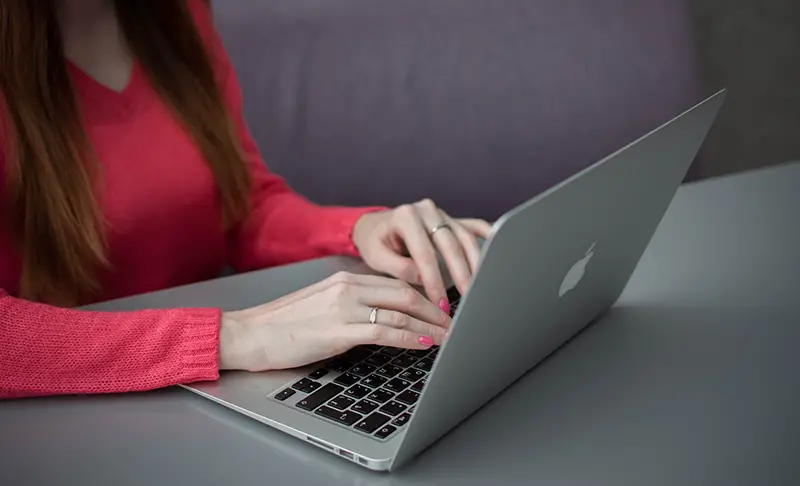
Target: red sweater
159,198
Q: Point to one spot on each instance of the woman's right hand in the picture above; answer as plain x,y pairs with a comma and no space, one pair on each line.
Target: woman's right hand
327,319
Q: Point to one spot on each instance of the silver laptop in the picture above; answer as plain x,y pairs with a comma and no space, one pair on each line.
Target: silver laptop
550,267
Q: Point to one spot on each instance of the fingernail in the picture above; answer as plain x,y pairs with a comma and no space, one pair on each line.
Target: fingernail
445,306
425,341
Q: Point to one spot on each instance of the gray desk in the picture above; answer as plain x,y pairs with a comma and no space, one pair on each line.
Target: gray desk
626,403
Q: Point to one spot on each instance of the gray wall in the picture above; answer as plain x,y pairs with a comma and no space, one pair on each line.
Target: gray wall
753,48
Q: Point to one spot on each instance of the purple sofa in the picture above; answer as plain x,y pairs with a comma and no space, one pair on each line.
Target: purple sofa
479,104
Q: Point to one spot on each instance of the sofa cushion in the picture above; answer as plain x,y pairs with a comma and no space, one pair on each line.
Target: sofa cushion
478,104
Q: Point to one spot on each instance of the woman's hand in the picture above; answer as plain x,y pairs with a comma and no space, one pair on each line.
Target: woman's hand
403,242
327,319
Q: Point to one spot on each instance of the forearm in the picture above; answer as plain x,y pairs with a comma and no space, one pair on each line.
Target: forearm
286,228
52,351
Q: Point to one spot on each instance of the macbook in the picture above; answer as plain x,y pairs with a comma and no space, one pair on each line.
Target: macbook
549,268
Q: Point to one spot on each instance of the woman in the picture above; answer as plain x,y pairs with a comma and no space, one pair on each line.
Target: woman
127,168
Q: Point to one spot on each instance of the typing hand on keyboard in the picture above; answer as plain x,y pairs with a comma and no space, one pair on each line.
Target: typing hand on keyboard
406,242
328,318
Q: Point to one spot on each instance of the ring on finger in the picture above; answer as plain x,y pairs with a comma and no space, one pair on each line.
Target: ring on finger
442,225
401,320
373,315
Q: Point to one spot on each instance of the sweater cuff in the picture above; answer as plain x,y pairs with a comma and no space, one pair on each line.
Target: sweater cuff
343,223
201,344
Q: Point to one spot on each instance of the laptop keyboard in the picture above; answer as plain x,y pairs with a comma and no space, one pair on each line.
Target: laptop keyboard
370,389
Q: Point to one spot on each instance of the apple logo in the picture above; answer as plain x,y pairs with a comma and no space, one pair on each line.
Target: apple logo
576,273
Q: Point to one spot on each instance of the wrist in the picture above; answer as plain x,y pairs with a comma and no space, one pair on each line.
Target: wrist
230,331
355,232
363,227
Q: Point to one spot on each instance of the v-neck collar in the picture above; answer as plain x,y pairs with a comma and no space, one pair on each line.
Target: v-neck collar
105,101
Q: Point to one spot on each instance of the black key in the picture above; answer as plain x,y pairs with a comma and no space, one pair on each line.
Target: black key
413,375
378,359
385,431
424,364
347,418
371,347
411,410
453,294
402,419
365,407
316,375
285,394
362,369
355,355
339,365
380,396
320,396
357,391
391,351
347,379
373,381
419,385
454,297
408,397
404,361
373,422
390,371
341,402
306,386
397,385
418,353
393,408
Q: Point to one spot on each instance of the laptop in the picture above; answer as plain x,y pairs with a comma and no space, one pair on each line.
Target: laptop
550,267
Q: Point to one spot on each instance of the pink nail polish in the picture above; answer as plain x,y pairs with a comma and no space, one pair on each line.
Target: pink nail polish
445,306
425,341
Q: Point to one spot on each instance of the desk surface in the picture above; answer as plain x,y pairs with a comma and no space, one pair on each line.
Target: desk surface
649,397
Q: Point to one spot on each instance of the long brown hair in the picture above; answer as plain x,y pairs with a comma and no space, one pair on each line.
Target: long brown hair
50,170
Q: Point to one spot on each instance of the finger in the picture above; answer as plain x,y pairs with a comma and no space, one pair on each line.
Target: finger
386,336
394,264
373,280
338,278
410,227
469,244
406,300
447,244
400,320
478,227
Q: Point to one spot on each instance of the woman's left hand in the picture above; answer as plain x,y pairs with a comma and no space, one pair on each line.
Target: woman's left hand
403,242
